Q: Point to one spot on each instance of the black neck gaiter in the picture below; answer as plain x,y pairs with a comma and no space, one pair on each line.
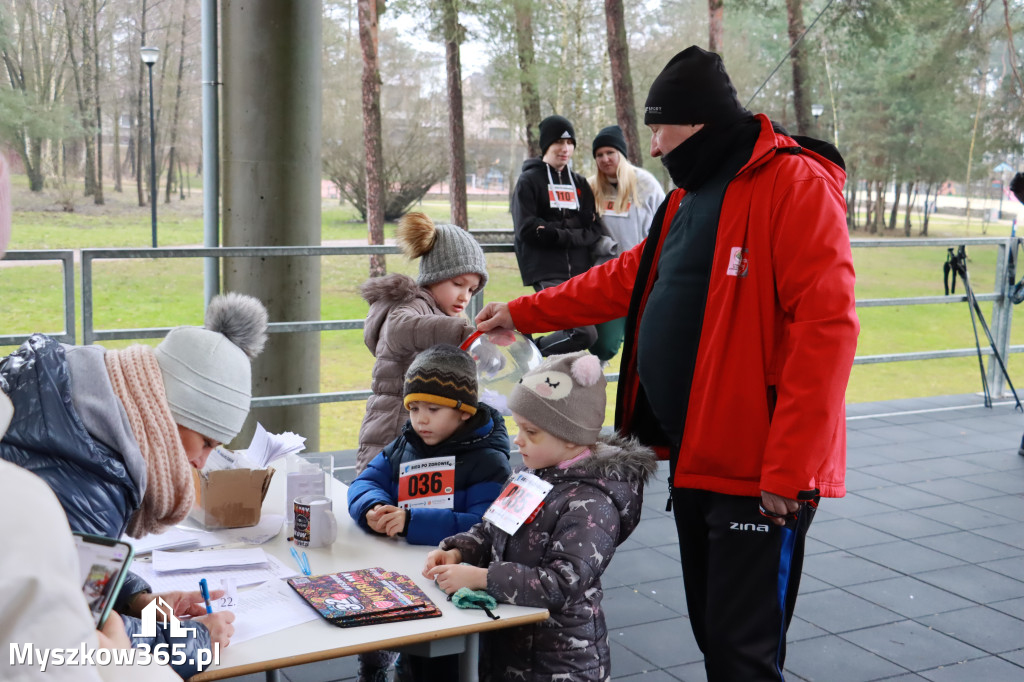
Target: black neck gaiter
695,160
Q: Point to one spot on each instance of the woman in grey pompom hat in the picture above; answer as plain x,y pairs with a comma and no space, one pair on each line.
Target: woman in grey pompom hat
116,433
126,427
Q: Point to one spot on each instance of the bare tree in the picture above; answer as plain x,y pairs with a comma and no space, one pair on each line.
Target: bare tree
411,165
801,102
34,58
94,12
716,11
456,130
622,78
523,10
81,59
369,11
177,104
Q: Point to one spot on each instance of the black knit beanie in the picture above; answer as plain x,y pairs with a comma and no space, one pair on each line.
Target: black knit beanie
693,88
611,136
555,128
443,375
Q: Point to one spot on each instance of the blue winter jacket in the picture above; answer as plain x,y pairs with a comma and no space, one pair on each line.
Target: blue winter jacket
90,479
481,450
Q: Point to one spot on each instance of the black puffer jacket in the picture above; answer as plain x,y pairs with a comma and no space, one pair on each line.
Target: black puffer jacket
90,479
562,249
555,561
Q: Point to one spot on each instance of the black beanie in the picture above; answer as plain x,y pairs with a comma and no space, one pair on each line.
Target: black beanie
555,128
610,136
693,88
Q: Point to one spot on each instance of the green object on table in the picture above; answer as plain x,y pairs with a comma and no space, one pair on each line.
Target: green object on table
466,598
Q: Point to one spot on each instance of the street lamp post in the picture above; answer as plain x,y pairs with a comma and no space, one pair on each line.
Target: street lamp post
816,111
149,56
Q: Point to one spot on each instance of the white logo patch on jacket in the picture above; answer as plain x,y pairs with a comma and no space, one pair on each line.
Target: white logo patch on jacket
738,263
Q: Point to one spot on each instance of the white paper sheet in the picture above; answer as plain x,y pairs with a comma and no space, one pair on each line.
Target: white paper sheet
172,538
274,569
167,562
268,608
267,447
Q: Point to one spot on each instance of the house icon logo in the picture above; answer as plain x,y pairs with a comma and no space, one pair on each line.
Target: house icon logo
160,610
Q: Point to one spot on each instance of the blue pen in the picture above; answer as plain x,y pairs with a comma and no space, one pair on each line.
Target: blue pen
305,565
298,560
205,589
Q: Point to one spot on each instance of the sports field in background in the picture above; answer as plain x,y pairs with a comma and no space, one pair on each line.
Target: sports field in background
169,292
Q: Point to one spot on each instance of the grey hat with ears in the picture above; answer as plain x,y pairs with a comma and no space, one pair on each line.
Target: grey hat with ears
207,370
564,396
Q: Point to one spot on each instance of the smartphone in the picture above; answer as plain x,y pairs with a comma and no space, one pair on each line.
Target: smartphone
103,563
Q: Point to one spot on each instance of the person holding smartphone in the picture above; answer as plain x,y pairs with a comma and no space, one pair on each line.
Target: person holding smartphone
115,435
41,598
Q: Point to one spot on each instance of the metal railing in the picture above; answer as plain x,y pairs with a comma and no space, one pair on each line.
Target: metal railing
1001,318
67,259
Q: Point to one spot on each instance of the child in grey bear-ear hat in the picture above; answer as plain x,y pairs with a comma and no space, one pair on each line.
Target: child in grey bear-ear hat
556,557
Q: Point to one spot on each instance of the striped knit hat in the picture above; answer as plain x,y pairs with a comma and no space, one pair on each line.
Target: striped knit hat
443,375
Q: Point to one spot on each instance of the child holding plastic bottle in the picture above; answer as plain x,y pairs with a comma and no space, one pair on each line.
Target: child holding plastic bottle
408,316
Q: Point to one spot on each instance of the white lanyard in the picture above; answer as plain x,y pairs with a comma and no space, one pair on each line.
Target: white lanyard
562,196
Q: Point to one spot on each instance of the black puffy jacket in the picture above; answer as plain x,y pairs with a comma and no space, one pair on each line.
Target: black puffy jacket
91,481
562,249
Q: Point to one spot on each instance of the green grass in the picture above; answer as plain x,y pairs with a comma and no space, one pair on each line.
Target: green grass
161,293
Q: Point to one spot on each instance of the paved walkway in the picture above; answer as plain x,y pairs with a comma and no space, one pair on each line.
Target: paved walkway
917,574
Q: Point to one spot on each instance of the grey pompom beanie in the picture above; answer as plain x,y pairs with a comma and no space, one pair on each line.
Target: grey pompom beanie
564,396
207,371
455,252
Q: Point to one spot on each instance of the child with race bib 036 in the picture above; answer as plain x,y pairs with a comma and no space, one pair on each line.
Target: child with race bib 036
552,531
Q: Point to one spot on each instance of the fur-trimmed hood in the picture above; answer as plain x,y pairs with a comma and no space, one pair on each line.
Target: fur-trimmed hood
394,288
383,294
619,467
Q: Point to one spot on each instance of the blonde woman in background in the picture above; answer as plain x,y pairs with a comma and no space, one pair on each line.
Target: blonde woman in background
627,198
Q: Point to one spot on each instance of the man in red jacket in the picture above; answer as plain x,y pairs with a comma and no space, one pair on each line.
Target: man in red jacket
740,338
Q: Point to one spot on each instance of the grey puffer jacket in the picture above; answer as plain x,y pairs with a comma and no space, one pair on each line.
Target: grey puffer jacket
555,561
403,320
71,430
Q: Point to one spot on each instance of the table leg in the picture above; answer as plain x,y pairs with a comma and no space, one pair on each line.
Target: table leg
469,660
273,676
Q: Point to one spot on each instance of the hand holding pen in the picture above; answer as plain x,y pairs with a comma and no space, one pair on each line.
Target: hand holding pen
204,589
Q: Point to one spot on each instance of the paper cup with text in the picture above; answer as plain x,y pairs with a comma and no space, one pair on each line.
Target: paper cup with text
315,525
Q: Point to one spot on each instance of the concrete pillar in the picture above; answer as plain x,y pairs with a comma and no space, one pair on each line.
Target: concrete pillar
271,172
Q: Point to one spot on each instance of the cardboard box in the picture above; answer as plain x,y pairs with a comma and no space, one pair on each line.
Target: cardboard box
230,498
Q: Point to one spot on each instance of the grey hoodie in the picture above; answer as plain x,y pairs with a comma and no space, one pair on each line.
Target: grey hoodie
555,561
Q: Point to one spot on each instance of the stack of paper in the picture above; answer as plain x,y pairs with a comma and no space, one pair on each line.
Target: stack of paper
267,447
172,538
165,562
273,569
